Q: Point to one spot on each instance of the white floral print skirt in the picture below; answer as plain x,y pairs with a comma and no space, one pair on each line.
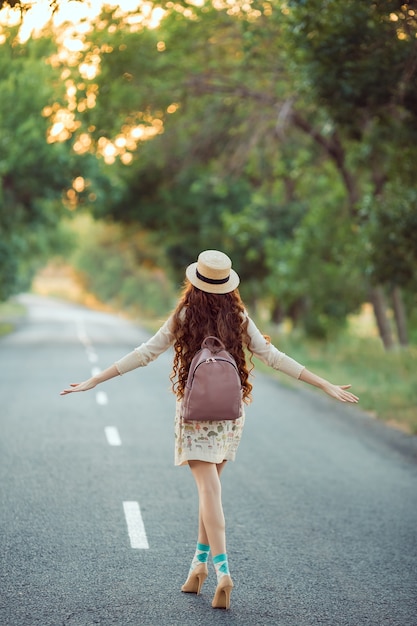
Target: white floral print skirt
210,441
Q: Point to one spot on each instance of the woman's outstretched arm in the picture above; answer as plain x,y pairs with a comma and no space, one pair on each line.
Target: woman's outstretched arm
92,382
139,357
270,355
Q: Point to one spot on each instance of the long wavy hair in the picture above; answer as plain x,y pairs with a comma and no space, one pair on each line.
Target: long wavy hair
199,314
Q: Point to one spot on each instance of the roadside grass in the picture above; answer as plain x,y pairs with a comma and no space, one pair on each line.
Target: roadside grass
385,382
10,314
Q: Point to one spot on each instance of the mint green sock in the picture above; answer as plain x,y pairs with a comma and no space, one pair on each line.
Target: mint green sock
221,566
201,555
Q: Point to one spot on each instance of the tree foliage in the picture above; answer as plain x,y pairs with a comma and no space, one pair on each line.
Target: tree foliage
32,173
359,61
281,132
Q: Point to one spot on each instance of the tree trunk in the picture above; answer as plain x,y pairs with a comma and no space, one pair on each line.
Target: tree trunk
296,311
336,152
277,314
380,310
400,315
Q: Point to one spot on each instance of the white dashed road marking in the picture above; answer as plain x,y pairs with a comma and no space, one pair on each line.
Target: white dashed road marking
92,356
101,398
82,334
134,521
135,526
112,436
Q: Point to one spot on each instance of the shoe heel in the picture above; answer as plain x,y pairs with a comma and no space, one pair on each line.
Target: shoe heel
195,580
201,579
221,598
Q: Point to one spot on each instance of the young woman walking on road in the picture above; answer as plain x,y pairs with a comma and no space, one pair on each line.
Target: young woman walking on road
210,305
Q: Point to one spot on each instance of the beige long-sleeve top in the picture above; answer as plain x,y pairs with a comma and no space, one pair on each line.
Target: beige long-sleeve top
164,338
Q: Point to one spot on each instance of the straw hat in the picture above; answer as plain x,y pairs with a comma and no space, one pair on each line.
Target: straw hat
213,272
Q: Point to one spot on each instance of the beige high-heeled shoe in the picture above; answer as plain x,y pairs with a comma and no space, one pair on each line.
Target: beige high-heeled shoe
196,579
224,588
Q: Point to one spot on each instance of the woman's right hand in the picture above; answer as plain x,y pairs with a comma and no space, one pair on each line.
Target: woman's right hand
92,382
75,387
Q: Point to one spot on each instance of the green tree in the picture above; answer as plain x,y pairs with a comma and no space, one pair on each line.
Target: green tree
358,66
191,182
219,174
33,173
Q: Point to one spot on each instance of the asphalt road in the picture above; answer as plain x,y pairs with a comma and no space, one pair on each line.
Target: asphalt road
321,503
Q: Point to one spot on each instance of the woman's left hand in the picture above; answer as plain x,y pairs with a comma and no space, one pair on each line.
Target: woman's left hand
339,392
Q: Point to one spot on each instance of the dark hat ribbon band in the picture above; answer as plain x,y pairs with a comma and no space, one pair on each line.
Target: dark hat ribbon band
212,281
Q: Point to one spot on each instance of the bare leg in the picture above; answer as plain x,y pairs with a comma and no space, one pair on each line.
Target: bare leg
202,534
212,525
212,531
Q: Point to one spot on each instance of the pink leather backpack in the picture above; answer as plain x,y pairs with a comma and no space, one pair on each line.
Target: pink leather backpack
213,390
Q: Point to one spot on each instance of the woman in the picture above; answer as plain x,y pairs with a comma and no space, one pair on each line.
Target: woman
210,305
